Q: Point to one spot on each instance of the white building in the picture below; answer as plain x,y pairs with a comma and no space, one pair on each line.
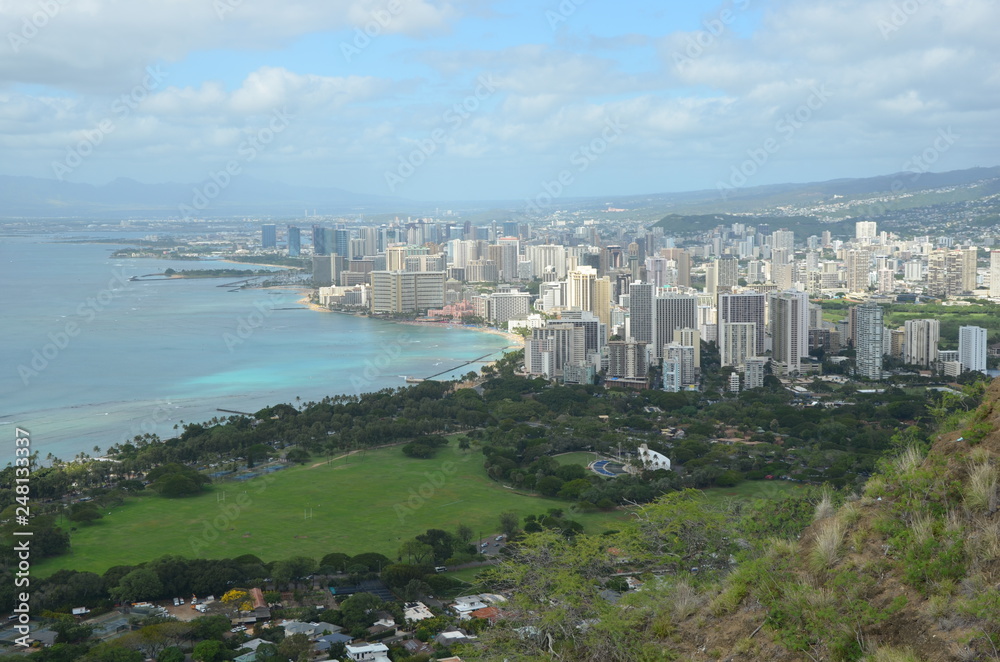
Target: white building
368,653
651,460
972,348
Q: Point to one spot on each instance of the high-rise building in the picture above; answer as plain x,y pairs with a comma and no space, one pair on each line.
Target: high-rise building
745,307
641,311
865,231
754,371
737,342
685,355
482,271
922,338
294,241
789,332
869,344
326,270
672,312
342,243
727,271
683,261
690,338
627,360
585,291
552,347
268,236
858,264
407,291
994,274
783,239
972,348
546,255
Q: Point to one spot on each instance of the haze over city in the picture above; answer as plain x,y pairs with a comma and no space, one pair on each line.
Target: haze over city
438,100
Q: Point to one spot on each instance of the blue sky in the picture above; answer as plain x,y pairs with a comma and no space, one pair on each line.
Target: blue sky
473,99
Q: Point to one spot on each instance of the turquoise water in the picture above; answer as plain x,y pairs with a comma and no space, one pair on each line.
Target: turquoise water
88,358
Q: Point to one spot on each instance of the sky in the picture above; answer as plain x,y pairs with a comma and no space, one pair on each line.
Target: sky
505,99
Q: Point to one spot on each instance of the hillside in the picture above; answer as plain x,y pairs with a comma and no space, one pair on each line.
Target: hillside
907,571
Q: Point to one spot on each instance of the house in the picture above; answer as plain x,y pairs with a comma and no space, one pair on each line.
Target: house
298,627
254,643
465,605
452,637
416,611
368,653
326,642
246,657
492,614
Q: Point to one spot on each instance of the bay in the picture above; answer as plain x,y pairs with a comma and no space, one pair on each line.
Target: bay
89,358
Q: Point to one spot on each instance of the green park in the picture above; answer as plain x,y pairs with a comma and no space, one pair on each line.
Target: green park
363,502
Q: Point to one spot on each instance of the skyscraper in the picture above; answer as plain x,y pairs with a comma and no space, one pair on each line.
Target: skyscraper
640,306
972,348
727,271
745,307
995,274
858,267
672,312
294,241
737,341
789,334
268,236
342,243
922,338
869,341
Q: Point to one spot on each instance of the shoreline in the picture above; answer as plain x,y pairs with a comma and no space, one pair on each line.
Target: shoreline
513,338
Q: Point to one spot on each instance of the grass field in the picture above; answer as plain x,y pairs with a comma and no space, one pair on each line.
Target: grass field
755,489
363,503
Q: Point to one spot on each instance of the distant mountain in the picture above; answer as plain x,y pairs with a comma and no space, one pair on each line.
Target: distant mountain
33,197
245,196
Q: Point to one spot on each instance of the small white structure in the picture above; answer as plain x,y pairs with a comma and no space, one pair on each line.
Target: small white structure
651,460
368,653
416,611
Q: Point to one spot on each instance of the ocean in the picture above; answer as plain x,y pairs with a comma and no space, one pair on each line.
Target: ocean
89,358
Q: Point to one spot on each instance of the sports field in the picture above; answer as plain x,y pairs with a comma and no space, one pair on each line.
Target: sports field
755,489
369,502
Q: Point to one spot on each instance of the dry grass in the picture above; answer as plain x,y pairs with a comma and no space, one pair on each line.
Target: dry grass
922,527
893,655
826,547
825,507
908,460
981,488
685,601
849,514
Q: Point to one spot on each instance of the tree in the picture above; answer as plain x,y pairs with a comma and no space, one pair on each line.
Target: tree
294,647
509,523
112,652
208,651
359,610
464,533
170,654
84,513
237,600
139,584
415,551
298,455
